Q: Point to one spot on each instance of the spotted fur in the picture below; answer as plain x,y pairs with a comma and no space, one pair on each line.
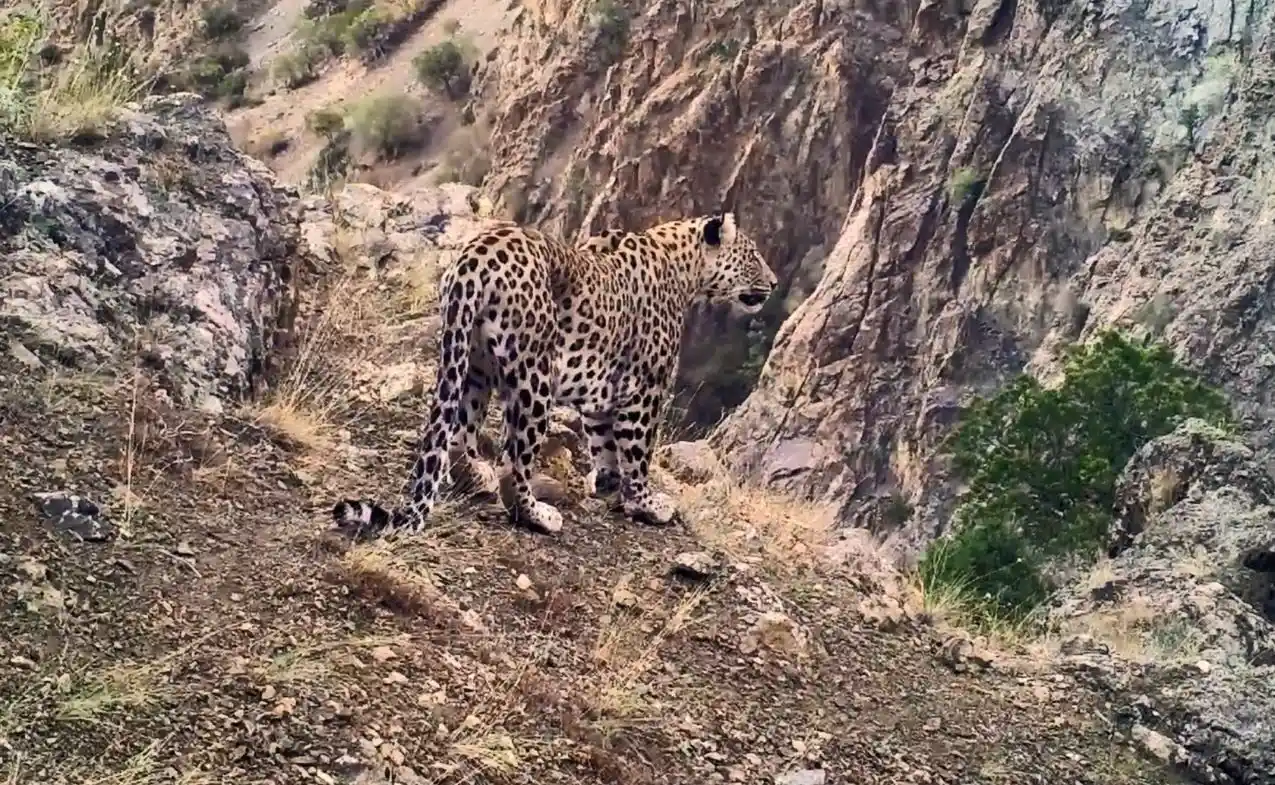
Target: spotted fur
596,327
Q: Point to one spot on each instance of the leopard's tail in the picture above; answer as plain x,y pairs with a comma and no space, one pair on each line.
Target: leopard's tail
460,316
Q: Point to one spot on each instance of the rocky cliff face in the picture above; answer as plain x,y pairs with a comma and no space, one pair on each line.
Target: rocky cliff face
602,120
1039,171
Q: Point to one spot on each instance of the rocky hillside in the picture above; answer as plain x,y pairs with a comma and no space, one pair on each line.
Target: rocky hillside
202,359
207,352
1039,172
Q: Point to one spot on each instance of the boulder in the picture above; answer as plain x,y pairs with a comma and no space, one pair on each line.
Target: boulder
1182,599
160,239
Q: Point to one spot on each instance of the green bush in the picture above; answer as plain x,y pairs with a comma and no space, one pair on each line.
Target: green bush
386,125
298,67
326,122
963,184
444,69
364,30
1042,466
611,20
221,20
219,74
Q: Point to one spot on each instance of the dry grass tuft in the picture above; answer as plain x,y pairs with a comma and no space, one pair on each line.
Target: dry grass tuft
92,696
312,397
753,525
623,655
376,572
1165,491
128,687
360,323
399,573
75,99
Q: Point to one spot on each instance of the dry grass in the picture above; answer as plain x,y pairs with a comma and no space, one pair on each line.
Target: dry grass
90,696
624,654
309,402
754,525
1135,629
947,606
399,572
361,323
77,98
1166,485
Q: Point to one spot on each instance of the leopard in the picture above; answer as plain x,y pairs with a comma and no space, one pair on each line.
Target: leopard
596,327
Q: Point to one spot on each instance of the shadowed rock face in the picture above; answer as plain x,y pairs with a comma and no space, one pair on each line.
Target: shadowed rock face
161,239
1043,171
770,109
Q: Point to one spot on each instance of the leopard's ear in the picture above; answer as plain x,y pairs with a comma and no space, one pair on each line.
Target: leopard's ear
720,230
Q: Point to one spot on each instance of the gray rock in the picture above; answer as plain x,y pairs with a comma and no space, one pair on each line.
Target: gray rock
1194,512
74,515
693,463
803,777
161,240
696,565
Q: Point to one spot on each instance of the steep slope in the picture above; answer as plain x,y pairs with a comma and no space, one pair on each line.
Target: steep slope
197,624
1043,171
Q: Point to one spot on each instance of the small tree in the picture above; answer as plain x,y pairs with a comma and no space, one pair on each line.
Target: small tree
386,125
1042,465
444,68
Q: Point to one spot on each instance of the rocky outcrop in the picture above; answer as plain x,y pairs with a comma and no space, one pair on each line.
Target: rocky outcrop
1196,620
602,117
1039,172
161,239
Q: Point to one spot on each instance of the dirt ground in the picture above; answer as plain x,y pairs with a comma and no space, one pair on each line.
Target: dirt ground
280,113
224,635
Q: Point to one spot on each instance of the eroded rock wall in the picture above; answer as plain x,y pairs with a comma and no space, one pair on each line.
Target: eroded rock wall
1053,169
768,109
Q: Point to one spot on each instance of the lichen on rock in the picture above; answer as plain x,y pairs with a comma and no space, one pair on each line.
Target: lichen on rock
161,239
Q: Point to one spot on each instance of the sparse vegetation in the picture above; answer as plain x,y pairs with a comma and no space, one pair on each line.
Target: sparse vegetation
386,125
965,183
298,67
221,20
1042,465
724,50
326,122
610,21
465,161
220,74
75,99
444,68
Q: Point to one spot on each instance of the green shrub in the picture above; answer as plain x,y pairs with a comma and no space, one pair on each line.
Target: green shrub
444,69
219,74
964,184
221,20
386,125
363,31
326,122
1042,466
298,67
611,20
